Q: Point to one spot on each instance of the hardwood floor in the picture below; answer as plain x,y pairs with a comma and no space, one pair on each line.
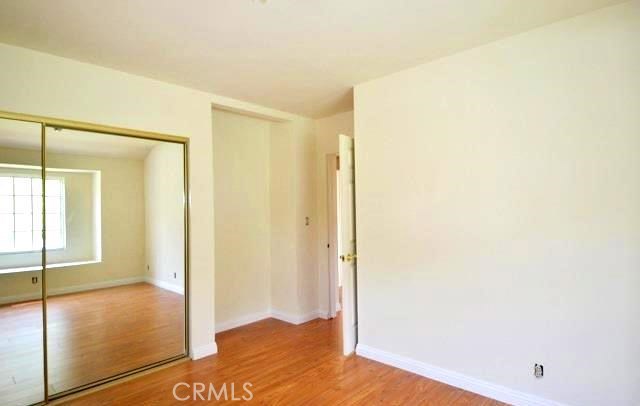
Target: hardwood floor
286,365
91,335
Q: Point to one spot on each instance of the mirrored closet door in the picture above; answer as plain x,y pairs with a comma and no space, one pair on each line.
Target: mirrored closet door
112,297
21,305
115,266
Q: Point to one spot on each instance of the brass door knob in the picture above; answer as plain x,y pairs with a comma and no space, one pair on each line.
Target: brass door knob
348,257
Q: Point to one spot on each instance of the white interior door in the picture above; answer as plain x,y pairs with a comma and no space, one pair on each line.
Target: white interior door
348,245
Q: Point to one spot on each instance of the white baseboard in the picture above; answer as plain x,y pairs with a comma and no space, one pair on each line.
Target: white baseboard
19,298
204,351
241,321
293,318
276,314
71,289
323,315
456,379
165,285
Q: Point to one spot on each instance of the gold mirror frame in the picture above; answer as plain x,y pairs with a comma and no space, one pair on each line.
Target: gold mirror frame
124,132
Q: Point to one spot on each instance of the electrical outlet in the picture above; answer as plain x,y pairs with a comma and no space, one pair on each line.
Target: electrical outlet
538,370
147,268
175,275
34,280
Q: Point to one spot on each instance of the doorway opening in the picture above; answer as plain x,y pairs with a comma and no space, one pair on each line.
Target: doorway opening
341,246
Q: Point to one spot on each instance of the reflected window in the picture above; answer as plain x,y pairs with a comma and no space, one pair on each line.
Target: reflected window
21,213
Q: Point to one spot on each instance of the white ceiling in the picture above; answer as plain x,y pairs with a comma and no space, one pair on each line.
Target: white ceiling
301,56
22,135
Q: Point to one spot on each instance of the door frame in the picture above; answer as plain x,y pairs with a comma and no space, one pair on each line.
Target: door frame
332,166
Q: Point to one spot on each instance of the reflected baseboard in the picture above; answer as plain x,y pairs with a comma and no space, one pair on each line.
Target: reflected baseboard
165,285
70,289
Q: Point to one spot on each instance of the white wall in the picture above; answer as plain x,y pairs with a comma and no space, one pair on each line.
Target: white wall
283,222
326,139
306,221
164,216
293,243
241,147
37,83
42,84
265,189
498,210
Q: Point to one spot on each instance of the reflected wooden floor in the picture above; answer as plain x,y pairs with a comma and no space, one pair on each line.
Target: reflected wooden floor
91,335
287,365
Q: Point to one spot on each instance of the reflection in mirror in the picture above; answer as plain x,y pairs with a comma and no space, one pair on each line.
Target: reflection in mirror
21,312
116,267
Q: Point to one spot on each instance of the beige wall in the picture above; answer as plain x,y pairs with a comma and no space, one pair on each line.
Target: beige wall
241,147
164,216
326,139
498,210
122,210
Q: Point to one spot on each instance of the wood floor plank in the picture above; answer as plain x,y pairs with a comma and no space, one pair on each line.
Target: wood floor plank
92,335
287,365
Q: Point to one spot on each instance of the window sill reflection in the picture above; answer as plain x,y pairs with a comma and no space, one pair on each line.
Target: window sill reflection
50,266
